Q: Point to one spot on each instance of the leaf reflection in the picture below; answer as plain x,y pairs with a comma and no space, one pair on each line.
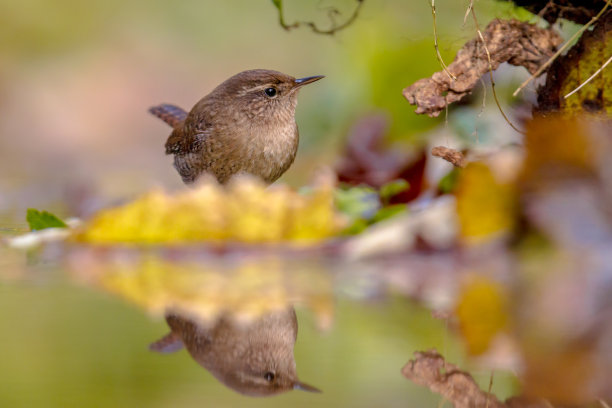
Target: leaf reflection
204,286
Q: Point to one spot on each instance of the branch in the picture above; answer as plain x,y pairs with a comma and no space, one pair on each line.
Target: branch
429,369
332,12
484,43
512,41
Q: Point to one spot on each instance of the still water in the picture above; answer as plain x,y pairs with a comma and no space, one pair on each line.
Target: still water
78,331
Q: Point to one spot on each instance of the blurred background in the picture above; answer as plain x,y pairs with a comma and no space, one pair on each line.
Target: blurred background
76,80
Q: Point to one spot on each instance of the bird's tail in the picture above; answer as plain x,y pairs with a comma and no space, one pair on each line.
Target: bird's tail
172,115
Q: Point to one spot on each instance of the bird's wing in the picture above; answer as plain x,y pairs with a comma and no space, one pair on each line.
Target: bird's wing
184,140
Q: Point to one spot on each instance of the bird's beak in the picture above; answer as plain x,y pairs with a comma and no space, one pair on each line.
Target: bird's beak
308,80
298,385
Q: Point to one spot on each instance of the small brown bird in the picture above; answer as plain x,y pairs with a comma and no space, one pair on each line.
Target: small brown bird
254,359
245,125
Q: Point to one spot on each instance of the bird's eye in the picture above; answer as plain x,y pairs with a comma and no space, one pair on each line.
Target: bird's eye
271,92
269,376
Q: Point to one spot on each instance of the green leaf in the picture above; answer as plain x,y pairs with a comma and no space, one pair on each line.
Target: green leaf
389,211
357,202
448,183
278,4
393,188
357,227
38,220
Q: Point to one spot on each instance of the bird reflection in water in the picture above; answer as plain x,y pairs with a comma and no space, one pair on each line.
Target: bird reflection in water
253,358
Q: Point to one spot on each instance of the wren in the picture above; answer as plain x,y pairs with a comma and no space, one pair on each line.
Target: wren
253,358
245,125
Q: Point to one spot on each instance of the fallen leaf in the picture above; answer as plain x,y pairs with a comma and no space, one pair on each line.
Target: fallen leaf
39,220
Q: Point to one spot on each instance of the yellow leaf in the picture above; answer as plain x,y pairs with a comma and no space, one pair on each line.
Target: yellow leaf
485,207
246,211
582,62
482,313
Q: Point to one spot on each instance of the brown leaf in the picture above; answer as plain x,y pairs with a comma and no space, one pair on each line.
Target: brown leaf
512,41
366,160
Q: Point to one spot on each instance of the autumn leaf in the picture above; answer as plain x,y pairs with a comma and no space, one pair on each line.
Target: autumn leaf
547,159
482,312
485,207
246,211
574,69
368,161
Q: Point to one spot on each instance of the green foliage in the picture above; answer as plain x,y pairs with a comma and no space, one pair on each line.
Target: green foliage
388,212
365,206
448,183
39,220
393,188
357,202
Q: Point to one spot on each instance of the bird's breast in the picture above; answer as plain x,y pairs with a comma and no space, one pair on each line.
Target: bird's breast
273,149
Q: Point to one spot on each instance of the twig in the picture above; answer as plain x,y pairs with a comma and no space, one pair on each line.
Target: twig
603,403
489,391
560,50
444,67
482,109
471,7
467,12
450,155
589,79
330,31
